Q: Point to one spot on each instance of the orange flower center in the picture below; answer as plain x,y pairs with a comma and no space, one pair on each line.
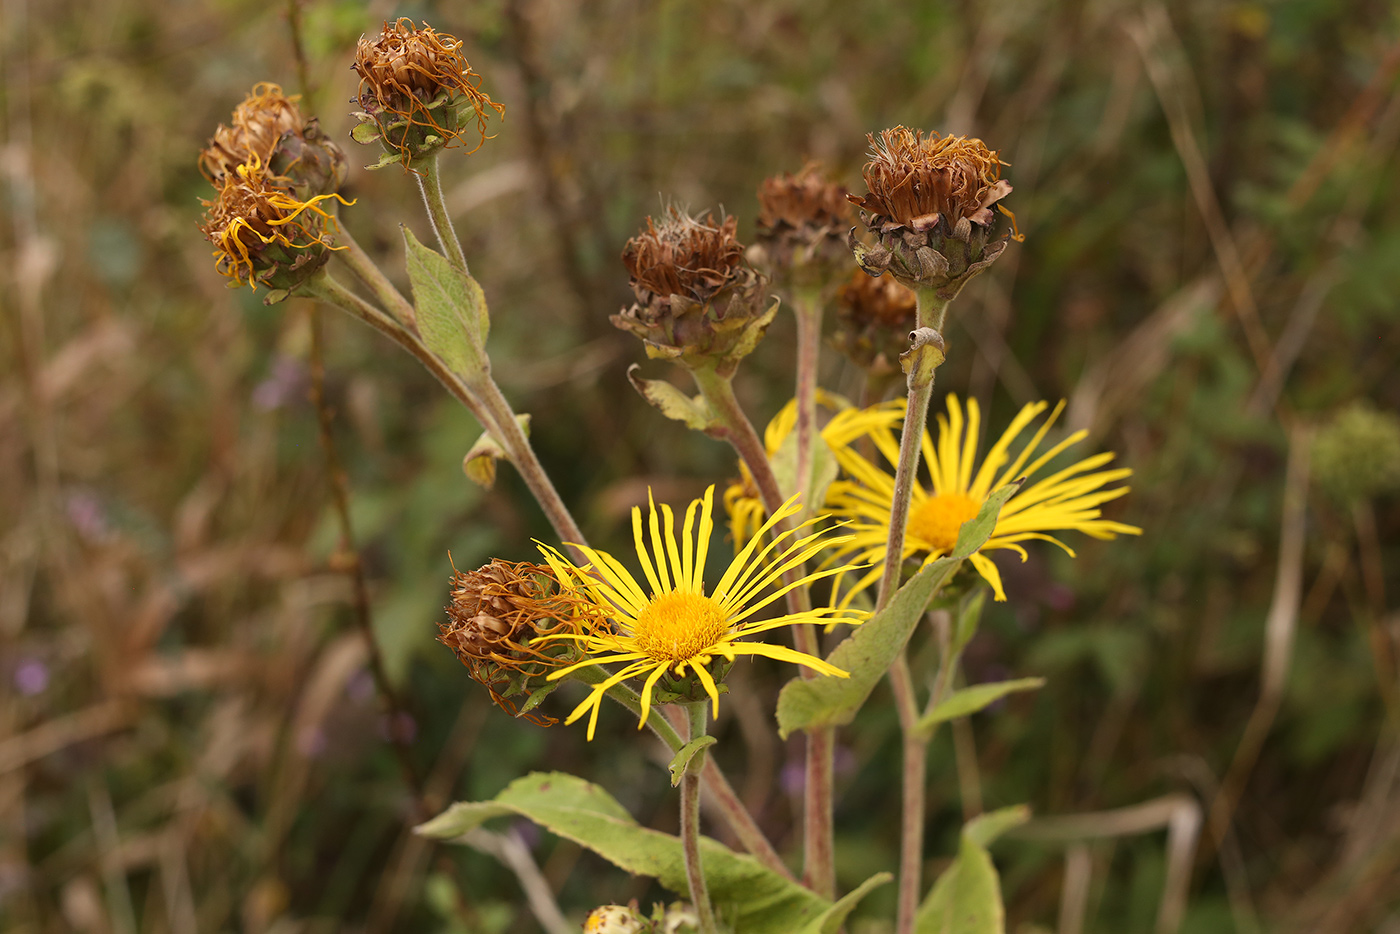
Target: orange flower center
676,627
935,522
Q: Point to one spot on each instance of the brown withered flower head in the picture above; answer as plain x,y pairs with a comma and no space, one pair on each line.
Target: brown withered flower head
930,203
802,224
263,234
496,614
417,93
873,321
698,302
268,129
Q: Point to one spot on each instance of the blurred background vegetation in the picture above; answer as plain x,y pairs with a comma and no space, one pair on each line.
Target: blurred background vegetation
189,735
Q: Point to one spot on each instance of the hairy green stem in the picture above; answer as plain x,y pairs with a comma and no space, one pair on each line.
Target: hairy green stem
690,823
375,280
430,184
932,312
328,290
522,455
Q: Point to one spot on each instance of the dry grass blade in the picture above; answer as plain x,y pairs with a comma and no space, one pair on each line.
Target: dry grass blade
1181,816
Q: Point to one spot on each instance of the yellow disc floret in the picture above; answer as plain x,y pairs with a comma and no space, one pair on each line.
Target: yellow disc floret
935,521
676,627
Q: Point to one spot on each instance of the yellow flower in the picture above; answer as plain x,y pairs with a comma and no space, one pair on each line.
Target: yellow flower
674,623
741,499
1068,499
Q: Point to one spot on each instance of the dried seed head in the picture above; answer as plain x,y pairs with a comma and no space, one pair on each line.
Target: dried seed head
929,202
496,613
698,302
417,93
1357,455
873,321
263,234
802,223
269,129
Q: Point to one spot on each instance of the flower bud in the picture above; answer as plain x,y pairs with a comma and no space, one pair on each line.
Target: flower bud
698,303
873,321
417,93
265,235
269,129
929,204
496,613
802,224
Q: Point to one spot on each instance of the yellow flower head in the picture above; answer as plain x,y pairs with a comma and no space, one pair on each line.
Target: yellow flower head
1068,499
675,624
741,499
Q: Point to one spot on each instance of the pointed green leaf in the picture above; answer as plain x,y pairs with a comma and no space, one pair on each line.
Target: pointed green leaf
694,413
451,307
749,897
831,920
874,645
984,829
537,696
685,754
969,615
966,899
969,700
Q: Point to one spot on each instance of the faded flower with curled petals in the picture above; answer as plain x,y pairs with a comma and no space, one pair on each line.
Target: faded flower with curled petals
698,302
930,205
418,94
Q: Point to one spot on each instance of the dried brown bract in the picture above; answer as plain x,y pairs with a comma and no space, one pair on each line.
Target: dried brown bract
418,94
269,130
698,301
929,203
873,321
802,224
496,614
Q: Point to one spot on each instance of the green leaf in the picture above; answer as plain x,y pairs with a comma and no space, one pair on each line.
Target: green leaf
831,920
869,651
966,899
972,699
673,403
537,696
969,615
451,307
685,754
749,897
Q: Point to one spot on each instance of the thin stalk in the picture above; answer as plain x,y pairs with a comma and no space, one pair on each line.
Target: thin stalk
522,455
807,306
932,312
375,280
483,399
690,823
430,184
818,838
334,293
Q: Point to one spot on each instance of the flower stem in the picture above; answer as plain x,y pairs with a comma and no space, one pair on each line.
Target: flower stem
690,823
807,306
818,838
522,455
430,184
374,279
332,292
932,311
